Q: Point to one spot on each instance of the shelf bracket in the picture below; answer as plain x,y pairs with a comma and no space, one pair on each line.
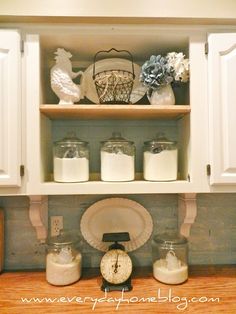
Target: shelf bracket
38,214
187,212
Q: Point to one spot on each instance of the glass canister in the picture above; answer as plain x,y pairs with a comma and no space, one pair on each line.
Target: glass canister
71,160
160,159
117,159
170,258
64,260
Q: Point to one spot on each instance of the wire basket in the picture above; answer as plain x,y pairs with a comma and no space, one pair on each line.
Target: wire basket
114,86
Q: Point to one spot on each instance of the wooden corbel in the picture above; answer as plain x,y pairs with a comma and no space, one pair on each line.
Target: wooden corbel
187,212
38,214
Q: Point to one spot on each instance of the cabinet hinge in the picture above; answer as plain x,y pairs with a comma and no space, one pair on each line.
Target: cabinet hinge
206,48
22,46
208,169
22,170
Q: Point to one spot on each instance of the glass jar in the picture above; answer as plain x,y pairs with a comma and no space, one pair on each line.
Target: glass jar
71,160
170,258
160,159
63,261
117,159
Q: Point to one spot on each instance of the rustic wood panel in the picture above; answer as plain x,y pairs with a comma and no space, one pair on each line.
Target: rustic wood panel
194,296
1,239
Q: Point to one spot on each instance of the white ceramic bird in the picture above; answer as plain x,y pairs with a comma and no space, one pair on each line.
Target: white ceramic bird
61,79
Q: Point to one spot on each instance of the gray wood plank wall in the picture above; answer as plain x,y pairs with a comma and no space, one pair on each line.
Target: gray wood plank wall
212,239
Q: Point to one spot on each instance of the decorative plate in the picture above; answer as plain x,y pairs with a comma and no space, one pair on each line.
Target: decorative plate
138,90
116,215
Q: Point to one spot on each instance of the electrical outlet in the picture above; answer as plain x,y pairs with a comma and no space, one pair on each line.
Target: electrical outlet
56,225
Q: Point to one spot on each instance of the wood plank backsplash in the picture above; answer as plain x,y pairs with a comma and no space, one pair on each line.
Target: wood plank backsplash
212,239
1,239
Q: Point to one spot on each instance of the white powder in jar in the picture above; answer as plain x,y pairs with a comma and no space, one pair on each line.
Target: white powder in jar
60,274
161,166
71,169
163,274
117,167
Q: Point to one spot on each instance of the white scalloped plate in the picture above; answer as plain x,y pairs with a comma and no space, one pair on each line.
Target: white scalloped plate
116,215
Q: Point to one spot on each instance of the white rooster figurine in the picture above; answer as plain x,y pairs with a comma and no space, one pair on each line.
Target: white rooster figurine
61,79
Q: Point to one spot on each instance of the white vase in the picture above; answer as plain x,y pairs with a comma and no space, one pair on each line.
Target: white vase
163,96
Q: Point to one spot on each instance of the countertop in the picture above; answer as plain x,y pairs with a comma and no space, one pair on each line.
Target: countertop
209,289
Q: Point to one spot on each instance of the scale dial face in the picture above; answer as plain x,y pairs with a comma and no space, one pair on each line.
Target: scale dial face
116,266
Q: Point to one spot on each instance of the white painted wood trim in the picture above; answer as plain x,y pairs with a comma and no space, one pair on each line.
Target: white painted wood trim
38,214
10,111
32,79
198,135
187,212
221,98
104,8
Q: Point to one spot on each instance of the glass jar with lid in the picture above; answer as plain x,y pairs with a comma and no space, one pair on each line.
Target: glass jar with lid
63,260
71,160
117,159
170,258
160,159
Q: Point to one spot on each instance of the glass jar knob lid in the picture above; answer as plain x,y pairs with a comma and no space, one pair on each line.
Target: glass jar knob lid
64,238
117,138
71,138
160,139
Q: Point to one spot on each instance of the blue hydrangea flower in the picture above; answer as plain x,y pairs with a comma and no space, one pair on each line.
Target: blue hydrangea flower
156,72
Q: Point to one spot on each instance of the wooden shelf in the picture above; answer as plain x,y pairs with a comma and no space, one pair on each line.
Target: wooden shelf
113,111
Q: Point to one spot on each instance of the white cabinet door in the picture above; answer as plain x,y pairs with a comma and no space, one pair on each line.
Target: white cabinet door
222,102
10,99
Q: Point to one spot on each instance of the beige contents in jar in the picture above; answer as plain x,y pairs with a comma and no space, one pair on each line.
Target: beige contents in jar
161,166
63,268
170,270
71,169
117,167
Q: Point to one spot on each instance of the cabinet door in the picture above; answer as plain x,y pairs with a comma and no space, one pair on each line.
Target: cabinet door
10,99
222,102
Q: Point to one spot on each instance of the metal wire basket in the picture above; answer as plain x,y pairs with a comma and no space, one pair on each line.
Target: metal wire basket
114,86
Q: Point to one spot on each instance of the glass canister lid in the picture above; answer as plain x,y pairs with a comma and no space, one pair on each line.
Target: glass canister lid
70,139
116,139
173,238
159,144
70,147
160,139
64,238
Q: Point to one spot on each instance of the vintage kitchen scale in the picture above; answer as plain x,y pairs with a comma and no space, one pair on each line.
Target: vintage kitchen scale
116,265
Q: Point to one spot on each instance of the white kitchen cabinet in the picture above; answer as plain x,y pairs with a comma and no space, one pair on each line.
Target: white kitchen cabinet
222,108
10,109
94,123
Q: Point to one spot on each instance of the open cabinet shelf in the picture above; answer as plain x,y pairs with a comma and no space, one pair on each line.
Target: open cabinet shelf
114,111
102,187
93,122
94,131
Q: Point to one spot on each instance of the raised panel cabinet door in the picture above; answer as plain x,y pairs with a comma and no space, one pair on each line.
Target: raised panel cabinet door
222,106
10,100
